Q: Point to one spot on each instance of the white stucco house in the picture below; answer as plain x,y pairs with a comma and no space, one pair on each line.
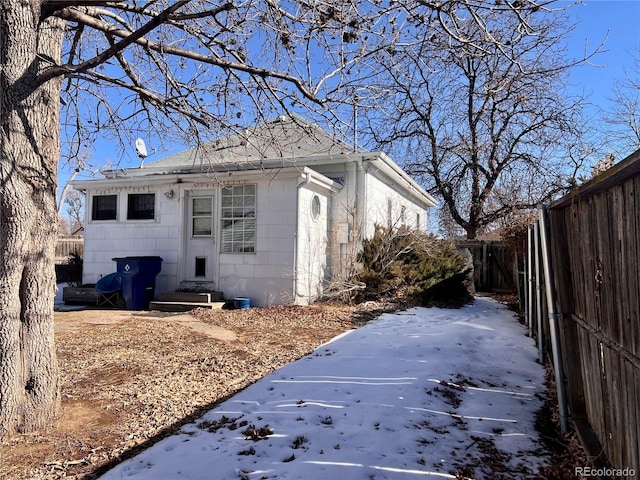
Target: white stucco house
269,213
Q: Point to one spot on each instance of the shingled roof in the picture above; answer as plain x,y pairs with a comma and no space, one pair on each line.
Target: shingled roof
286,137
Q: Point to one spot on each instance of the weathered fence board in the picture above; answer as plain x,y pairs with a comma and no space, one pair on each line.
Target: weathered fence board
66,245
636,381
595,255
493,264
634,263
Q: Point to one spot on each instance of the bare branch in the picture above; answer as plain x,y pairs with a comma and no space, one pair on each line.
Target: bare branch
486,118
128,39
137,37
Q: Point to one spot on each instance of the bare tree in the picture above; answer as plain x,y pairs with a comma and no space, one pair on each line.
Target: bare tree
482,117
181,68
624,116
74,202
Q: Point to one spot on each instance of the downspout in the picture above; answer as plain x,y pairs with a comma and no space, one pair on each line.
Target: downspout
357,165
301,183
524,292
181,270
364,197
554,316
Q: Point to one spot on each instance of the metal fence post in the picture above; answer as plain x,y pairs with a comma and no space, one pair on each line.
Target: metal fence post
538,277
554,317
530,280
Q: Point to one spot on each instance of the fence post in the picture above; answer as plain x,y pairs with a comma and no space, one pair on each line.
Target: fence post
538,276
554,317
530,279
524,289
520,277
485,265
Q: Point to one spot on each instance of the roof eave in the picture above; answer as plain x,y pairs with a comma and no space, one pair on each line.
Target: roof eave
391,168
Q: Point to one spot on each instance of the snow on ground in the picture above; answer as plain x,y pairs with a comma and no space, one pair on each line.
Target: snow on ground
58,301
423,393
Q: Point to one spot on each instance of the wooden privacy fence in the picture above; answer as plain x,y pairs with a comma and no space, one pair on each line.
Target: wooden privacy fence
582,302
67,245
493,265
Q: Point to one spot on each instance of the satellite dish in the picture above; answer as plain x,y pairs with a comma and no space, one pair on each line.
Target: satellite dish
141,148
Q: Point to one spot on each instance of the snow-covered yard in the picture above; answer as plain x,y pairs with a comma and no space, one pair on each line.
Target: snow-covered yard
422,393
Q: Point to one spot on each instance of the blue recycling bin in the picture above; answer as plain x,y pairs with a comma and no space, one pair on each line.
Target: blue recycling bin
138,280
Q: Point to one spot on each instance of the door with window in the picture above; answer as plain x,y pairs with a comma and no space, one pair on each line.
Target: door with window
200,237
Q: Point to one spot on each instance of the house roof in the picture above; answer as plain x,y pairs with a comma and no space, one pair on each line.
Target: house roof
286,138
287,141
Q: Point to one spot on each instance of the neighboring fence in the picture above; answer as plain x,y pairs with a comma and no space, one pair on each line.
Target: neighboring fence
67,245
493,265
593,282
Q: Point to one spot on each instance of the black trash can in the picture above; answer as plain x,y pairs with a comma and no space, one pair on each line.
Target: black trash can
138,280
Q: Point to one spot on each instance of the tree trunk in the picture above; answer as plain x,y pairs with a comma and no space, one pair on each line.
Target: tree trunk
29,152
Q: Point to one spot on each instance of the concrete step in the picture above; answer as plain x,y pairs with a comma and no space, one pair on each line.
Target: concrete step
178,306
196,287
80,295
198,297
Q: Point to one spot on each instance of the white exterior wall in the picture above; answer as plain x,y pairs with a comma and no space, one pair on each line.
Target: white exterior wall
345,228
359,206
380,194
107,239
267,275
313,252
294,254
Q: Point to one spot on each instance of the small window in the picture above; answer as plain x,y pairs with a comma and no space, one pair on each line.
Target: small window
202,216
403,215
141,206
315,207
104,207
389,212
417,221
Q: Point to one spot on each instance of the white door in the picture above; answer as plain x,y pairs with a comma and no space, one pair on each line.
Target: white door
200,245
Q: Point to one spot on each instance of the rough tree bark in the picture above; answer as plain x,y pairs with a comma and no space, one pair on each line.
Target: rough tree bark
29,152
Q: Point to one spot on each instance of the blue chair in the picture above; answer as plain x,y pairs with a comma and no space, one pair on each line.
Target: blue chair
108,289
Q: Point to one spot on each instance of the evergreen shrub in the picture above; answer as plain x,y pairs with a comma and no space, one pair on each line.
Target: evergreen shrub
396,261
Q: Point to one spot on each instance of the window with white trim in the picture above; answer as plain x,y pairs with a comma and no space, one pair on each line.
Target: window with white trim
141,206
315,207
238,219
104,207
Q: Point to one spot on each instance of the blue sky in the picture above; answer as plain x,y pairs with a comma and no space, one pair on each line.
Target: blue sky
617,21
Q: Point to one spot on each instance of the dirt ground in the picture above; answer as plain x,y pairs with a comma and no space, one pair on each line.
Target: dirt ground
130,378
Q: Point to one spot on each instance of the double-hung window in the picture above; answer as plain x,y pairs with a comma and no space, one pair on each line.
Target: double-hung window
104,207
238,219
141,206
